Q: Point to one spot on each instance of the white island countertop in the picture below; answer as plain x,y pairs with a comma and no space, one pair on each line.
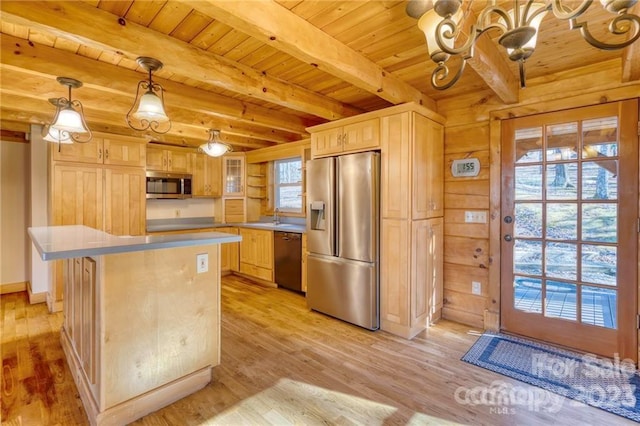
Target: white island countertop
65,242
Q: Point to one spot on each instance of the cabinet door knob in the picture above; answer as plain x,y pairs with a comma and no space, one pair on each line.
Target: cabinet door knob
99,153
106,153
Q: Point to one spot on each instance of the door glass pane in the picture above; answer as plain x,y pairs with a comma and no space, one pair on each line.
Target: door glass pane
528,222
599,137
560,300
528,183
562,141
599,180
599,306
529,145
562,181
527,257
599,264
527,294
562,221
561,260
599,222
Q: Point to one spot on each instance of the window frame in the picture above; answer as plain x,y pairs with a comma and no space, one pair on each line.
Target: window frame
277,185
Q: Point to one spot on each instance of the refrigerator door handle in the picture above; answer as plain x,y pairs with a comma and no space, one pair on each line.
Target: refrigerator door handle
336,209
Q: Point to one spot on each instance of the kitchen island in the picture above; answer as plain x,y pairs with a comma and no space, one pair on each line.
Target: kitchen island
141,316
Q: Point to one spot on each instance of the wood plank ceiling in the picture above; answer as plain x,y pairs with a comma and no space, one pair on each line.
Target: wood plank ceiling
261,71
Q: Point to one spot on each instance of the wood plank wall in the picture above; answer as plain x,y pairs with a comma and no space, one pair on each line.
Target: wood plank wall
472,251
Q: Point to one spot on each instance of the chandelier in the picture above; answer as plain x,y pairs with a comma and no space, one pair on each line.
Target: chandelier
150,112
213,147
68,123
441,21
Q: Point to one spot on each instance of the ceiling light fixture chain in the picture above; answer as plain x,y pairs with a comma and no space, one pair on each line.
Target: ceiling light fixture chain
442,21
149,107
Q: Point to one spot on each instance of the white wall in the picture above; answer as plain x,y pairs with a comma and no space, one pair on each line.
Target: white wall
14,212
171,209
41,271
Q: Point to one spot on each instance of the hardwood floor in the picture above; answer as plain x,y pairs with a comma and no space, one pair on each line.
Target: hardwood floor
281,365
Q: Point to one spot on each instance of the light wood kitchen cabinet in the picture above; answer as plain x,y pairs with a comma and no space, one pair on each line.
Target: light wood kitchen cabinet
125,208
412,273
81,320
360,136
411,231
256,253
230,252
99,195
162,159
233,175
303,285
411,167
117,151
207,176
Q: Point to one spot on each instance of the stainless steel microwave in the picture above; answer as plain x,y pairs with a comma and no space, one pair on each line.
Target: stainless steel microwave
168,185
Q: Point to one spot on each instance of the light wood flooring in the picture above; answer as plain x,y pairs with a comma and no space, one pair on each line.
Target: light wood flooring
281,365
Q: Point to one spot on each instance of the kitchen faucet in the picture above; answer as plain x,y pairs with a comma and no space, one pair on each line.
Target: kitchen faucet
276,217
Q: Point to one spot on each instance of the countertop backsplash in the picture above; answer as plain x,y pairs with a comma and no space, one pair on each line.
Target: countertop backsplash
188,208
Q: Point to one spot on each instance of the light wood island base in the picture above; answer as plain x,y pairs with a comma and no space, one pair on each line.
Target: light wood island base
141,330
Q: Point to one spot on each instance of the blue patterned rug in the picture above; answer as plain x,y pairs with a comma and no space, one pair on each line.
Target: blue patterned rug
612,385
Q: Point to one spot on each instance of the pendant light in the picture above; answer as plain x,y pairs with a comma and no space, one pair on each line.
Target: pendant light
213,147
68,124
149,108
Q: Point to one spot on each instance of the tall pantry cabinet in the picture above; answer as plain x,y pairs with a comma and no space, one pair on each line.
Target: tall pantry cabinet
100,184
411,257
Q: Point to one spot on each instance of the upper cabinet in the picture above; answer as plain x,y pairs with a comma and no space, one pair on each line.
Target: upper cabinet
360,136
163,159
118,151
233,175
412,167
207,176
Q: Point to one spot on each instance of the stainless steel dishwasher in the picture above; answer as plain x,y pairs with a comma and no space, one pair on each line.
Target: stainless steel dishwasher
288,259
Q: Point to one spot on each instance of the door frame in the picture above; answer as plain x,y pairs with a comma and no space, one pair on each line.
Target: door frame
492,310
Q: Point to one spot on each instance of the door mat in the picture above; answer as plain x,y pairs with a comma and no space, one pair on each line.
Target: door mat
609,384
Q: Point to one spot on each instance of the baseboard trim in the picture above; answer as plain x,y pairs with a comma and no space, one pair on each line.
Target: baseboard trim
35,298
13,287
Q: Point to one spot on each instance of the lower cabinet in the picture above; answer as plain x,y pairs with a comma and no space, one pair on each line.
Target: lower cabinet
81,320
256,253
229,257
411,279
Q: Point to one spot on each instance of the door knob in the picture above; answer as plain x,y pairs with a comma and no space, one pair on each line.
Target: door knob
508,237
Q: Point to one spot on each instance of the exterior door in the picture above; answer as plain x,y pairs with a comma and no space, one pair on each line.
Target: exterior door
569,228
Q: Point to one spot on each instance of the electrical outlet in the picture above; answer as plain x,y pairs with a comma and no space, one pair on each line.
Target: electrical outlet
202,261
475,217
476,287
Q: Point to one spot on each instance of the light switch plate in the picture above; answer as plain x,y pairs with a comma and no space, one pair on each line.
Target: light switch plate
476,287
475,217
202,261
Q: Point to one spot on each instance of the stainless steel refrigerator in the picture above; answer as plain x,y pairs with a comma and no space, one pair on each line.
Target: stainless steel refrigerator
343,222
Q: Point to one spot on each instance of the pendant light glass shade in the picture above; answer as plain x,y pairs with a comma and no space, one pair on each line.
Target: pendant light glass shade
147,111
68,123
57,136
151,108
428,24
215,148
69,120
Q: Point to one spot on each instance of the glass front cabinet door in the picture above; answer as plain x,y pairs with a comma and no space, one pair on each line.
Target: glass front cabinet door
233,175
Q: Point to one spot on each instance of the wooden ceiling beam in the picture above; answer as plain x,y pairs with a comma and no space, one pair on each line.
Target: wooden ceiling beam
96,28
490,64
17,81
631,57
277,26
40,111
